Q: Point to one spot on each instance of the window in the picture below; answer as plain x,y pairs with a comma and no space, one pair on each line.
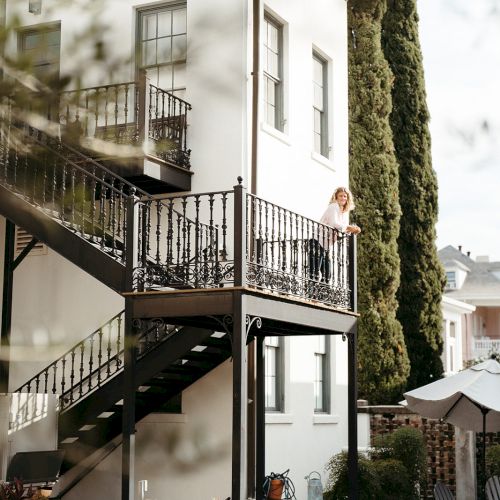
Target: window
451,347
273,70
320,105
41,47
321,374
273,351
162,46
451,279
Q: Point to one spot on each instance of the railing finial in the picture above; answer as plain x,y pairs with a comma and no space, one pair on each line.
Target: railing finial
239,179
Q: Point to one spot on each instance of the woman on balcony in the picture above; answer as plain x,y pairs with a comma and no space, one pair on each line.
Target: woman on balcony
337,217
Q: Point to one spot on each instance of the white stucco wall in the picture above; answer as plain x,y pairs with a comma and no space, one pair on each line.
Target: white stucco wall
289,173
217,73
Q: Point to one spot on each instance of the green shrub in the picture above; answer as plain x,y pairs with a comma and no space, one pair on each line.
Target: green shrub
493,460
337,486
407,445
395,481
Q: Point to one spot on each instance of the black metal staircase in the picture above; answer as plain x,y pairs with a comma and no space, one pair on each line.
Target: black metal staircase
89,381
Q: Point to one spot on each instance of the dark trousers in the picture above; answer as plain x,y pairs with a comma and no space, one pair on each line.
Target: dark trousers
319,261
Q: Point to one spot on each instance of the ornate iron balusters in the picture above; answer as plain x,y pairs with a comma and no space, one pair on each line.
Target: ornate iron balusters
72,375
198,241
159,207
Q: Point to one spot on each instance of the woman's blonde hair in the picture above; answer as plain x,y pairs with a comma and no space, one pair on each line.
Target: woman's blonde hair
350,202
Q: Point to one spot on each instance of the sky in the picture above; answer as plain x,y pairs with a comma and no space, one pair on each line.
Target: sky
460,42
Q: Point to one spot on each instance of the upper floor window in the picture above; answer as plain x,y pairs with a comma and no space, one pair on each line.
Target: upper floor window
41,46
320,105
273,351
451,280
162,46
273,73
321,374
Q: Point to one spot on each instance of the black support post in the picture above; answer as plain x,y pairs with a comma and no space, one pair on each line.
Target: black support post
352,452
260,458
8,282
251,438
129,361
352,380
240,231
240,406
128,417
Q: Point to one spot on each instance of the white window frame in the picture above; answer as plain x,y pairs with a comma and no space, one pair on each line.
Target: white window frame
174,62
276,80
451,280
274,346
322,378
323,110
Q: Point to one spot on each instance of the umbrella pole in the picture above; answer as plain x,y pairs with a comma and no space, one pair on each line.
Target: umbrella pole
484,411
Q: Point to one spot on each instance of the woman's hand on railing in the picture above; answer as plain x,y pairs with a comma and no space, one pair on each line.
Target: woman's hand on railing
353,229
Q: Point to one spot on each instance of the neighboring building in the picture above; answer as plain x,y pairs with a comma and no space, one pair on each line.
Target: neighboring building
455,334
203,262
477,284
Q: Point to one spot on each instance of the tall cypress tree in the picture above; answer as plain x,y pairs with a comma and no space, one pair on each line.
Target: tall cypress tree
422,277
383,359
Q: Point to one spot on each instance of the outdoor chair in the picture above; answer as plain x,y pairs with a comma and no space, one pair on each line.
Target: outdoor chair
493,488
442,492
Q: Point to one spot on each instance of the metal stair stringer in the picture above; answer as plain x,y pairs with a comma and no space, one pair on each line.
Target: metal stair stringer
63,240
97,419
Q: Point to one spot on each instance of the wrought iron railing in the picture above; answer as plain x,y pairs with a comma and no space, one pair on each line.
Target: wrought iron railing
292,254
108,112
76,190
79,371
136,113
192,241
183,241
84,368
167,125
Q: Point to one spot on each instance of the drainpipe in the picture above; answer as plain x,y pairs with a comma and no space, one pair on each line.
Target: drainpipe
3,25
255,94
256,415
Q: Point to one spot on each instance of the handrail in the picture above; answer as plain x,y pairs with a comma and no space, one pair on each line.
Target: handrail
174,96
95,366
44,375
87,160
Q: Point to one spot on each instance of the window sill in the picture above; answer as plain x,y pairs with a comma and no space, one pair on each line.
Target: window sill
277,134
325,418
279,418
324,161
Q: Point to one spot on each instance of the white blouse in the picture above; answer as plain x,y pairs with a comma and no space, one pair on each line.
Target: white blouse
335,217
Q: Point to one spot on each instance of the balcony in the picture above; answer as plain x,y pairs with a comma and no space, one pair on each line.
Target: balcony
232,238
134,128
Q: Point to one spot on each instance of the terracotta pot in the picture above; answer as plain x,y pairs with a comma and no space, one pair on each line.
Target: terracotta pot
275,490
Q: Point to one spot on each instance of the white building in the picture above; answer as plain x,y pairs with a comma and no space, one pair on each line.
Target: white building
474,284
191,132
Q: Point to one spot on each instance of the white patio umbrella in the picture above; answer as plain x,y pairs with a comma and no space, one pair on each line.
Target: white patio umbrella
469,399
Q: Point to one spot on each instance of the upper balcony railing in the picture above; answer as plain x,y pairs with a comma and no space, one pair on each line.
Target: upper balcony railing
485,346
136,113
